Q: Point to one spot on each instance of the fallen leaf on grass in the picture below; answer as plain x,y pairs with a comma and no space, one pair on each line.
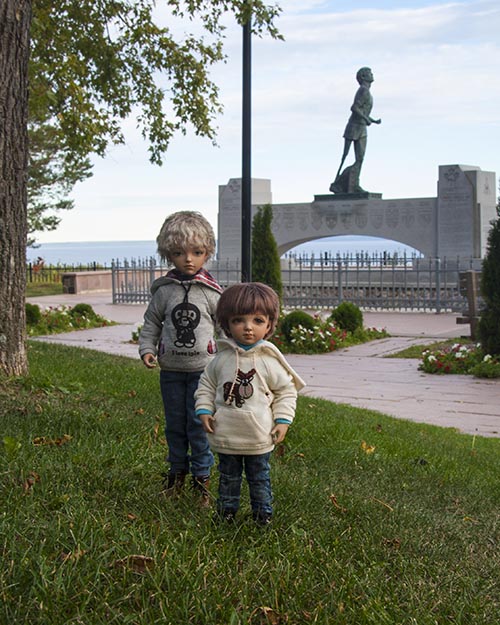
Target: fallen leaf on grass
72,555
268,616
136,563
45,440
394,543
333,499
30,481
368,449
140,411
382,503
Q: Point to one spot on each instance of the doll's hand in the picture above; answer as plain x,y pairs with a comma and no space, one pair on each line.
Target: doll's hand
279,432
149,360
208,422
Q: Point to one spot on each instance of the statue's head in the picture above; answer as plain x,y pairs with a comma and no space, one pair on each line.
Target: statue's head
364,75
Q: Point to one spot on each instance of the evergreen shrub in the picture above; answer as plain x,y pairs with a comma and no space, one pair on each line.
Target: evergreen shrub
83,310
489,323
347,316
33,314
294,319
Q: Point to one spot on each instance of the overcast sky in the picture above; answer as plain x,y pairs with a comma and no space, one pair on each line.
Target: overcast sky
437,89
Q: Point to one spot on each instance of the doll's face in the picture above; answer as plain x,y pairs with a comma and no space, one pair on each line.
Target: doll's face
249,329
189,260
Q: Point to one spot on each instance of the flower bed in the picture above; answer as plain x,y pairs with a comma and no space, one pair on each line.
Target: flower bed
466,359
57,319
322,337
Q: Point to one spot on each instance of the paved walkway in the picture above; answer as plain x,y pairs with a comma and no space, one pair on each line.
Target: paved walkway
359,375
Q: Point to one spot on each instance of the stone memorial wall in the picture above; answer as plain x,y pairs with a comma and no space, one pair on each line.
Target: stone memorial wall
455,223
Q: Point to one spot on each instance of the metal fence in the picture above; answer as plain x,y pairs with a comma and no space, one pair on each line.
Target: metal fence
37,272
372,283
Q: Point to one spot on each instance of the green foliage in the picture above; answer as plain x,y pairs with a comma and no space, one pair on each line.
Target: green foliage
36,289
54,320
294,319
460,358
377,520
83,310
33,314
489,330
347,316
416,351
299,333
489,323
489,367
136,334
266,265
53,171
95,64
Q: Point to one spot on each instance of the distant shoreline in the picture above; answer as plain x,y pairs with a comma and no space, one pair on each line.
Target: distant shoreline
104,252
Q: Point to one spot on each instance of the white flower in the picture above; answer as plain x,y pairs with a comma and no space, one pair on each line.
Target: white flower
431,358
487,358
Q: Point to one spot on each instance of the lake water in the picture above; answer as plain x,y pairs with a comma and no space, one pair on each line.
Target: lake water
104,252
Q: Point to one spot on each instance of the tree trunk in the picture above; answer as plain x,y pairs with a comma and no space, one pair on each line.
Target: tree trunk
15,21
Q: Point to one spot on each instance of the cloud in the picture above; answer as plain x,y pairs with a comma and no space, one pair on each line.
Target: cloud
436,89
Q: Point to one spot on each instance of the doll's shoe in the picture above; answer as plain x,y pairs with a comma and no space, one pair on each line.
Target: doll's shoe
225,516
173,483
262,519
201,485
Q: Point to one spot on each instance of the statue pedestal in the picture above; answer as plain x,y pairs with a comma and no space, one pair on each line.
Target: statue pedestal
365,195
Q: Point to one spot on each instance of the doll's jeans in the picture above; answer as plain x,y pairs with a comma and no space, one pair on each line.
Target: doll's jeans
257,473
188,449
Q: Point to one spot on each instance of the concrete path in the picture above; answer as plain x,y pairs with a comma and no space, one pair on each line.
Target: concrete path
360,376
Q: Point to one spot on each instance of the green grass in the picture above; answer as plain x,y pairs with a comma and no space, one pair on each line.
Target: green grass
406,533
37,289
415,351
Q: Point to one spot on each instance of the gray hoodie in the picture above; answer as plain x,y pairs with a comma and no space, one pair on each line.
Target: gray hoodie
179,321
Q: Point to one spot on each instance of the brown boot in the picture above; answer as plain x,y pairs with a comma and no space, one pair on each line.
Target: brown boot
173,483
201,485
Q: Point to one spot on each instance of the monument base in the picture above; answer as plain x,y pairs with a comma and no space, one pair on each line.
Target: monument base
365,195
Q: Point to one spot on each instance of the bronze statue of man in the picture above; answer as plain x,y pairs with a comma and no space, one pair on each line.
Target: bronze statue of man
356,132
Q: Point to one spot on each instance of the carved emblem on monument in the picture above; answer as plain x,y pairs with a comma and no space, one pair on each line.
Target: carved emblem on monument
361,220
346,219
408,216
377,219
392,217
331,220
316,220
288,218
452,174
303,220
424,214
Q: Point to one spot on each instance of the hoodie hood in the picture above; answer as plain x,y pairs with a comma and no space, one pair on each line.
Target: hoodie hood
173,276
262,347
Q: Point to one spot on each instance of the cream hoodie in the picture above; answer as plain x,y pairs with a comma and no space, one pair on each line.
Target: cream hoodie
247,391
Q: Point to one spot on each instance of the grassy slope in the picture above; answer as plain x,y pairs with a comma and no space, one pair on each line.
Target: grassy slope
405,533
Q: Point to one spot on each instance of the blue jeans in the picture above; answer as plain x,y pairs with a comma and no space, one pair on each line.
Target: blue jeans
257,472
183,429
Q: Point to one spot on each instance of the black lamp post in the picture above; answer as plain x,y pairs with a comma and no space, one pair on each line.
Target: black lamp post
246,176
